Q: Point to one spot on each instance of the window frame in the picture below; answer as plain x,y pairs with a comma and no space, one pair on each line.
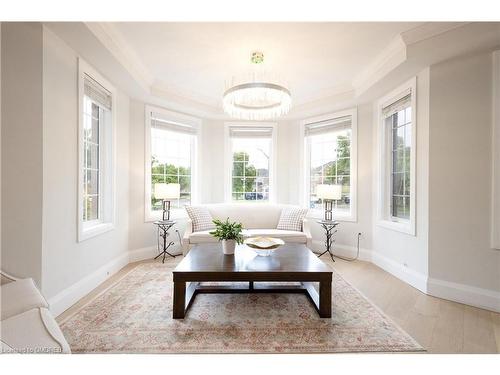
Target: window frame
305,174
107,170
174,117
384,159
228,160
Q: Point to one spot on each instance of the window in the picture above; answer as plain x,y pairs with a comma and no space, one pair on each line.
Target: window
171,141
96,171
330,158
251,162
397,159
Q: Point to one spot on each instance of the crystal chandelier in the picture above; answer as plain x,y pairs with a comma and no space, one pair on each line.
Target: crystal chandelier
258,96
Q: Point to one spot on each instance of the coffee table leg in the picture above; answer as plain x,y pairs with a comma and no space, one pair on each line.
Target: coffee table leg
325,299
179,299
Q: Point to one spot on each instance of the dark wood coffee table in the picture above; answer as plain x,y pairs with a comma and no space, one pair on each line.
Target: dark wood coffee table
290,263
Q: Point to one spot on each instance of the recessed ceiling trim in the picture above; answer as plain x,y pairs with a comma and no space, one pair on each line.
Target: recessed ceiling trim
107,34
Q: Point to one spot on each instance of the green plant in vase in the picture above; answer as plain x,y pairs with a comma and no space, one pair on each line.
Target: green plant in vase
229,233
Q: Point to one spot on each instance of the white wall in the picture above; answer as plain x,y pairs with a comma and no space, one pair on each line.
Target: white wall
67,262
398,251
460,173
22,149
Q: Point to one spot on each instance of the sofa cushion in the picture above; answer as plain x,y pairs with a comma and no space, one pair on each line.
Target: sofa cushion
251,215
20,296
201,218
291,218
34,331
285,235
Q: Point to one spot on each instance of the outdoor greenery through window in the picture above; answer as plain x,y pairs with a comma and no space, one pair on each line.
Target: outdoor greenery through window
251,154
171,162
398,125
330,163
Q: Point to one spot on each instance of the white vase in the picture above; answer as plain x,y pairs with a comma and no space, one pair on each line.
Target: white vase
228,246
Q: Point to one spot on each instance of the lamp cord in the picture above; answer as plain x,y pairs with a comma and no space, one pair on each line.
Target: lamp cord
350,259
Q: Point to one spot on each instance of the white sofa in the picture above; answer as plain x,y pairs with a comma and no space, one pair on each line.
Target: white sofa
27,325
258,219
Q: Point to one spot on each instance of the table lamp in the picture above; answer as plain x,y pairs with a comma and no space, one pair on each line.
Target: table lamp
329,193
166,192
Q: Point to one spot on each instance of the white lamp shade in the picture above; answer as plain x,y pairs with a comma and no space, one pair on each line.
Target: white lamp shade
167,191
333,192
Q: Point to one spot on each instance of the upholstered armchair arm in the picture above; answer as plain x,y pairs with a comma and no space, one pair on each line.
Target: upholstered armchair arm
185,237
306,228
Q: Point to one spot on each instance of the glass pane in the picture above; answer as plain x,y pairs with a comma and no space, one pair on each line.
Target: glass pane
250,185
250,196
398,207
398,184
343,166
93,133
344,146
398,135
238,168
407,183
250,170
185,183
92,207
401,117
91,182
91,156
407,208
238,197
330,168
238,185
240,156
172,179
398,160
263,172
262,185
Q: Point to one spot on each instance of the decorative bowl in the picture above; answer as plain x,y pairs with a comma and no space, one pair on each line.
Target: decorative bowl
264,246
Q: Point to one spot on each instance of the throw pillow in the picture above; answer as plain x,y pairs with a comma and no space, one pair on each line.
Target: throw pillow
291,218
201,218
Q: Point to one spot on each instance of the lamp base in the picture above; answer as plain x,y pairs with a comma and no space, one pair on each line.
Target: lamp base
166,210
328,210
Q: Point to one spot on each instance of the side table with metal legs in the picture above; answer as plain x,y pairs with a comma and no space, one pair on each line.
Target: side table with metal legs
163,227
330,230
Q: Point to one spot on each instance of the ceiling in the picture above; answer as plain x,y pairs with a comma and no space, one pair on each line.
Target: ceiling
185,66
196,59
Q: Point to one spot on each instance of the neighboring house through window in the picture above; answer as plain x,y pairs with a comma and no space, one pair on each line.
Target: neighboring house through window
250,157
330,158
170,156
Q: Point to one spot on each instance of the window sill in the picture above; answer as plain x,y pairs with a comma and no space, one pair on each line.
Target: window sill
94,230
403,227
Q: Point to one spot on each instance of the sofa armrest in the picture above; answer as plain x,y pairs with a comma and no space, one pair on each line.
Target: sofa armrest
185,238
306,228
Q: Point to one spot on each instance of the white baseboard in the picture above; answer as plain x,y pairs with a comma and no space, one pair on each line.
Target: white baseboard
414,278
69,296
469,295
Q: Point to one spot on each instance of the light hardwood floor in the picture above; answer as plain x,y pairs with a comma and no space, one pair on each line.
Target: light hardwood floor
440,326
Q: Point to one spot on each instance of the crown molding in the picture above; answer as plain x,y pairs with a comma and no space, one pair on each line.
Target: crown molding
429,30
114,42
390,57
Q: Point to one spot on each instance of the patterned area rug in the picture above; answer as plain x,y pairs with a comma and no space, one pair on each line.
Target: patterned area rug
135,316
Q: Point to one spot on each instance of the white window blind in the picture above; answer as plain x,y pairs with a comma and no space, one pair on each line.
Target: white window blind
96,92
327,126
250,132
158,121
397,106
